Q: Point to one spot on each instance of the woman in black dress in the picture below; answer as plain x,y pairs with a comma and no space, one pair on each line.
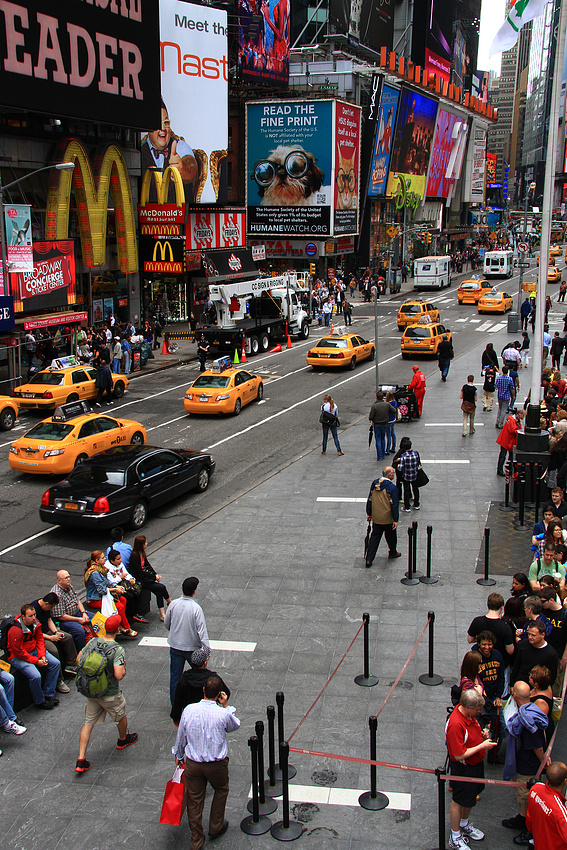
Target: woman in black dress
140,567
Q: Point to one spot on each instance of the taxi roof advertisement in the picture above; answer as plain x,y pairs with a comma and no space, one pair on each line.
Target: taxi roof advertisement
412,143
98,61
293,154
193,134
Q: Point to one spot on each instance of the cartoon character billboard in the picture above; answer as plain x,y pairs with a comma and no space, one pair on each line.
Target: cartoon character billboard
263,40
412,142
193,132
383,141
437,184
289,167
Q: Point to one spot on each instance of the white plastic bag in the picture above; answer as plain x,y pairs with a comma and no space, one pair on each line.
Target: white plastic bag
108,607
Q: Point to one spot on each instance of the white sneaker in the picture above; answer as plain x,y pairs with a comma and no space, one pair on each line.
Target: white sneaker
459,843
471,831
14,728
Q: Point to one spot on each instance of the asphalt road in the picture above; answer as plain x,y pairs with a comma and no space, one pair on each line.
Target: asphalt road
265,438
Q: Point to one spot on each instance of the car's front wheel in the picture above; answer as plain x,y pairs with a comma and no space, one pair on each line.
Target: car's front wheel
260,395
137,439
203,480
139,514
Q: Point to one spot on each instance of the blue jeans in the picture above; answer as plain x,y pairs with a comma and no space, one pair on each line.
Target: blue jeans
380,434
116,365
6,697
39,690
127,362
444,367
76,631
391,437
335,437
326,316
177,659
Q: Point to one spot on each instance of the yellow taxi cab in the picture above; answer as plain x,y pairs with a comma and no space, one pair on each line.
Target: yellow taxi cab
8,412
553,275
340,350
423,338
495,302
470,291
411,312
223,389
551,259
56,445
66,380
554,250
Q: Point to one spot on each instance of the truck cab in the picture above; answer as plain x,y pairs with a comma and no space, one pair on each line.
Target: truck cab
432,272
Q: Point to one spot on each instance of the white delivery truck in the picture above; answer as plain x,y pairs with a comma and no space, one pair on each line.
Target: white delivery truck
432,273
499,264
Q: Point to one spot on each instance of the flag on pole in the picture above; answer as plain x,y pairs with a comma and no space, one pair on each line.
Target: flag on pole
520,14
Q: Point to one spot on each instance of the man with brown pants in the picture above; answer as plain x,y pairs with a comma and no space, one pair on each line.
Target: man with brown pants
382,508
201,748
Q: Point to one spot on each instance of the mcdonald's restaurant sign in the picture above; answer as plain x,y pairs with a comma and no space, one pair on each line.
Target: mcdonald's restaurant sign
92,190
164,255
161,218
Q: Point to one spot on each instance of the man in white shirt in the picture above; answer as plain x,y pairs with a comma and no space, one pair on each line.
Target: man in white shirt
187,629
202,749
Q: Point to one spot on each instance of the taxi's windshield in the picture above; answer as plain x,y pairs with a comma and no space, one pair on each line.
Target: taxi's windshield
55,431
213,382
52,379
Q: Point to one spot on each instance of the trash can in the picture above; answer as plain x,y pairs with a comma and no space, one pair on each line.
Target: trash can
514,324
395,281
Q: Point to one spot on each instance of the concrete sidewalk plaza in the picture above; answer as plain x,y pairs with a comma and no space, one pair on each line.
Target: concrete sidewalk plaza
285,571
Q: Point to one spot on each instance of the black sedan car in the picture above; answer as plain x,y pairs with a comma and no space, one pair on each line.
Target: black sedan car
123,484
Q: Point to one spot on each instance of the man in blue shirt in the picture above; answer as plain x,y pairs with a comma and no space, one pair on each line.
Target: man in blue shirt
117,537
506,390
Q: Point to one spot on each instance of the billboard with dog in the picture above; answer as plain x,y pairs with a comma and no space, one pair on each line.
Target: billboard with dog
292,155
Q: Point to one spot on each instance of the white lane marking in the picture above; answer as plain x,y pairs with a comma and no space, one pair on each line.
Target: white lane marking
230,645
444,461
169,422
475,321
348,500
28,540
450,424
497,328
461,320
318,394
341,796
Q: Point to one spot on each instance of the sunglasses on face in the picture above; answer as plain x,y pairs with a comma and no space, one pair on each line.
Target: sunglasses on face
296,165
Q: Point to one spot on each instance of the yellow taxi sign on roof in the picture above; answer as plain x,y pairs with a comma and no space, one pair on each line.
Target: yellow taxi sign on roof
68,411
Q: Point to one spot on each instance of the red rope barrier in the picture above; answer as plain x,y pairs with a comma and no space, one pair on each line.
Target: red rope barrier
547,753
321,692
402,671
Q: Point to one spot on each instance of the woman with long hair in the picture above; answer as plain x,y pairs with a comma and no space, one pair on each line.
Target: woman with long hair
405,444
97,585
520,586
329,419
140,567
469,672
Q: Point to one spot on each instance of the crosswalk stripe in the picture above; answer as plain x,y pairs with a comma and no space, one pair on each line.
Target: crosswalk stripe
484,327
230,645
495,328
341,796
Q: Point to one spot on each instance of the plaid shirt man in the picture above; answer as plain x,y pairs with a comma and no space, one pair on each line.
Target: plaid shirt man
409,465
68,602
504,386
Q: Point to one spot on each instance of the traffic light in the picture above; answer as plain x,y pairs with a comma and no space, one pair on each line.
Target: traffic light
428,238
313,268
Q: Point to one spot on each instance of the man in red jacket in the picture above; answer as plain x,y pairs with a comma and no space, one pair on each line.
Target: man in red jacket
417,384
507,439
547,810
27,653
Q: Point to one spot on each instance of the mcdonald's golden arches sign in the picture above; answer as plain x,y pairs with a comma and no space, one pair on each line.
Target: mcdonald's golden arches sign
163,255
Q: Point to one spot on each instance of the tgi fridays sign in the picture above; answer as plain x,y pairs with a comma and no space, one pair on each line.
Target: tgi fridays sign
207,230
53,268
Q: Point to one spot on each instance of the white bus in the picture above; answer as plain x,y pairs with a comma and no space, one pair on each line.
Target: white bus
432,272
499,264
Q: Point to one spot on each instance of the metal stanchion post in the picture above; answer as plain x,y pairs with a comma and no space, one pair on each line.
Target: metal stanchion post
426,579
441,809
414,552
272,786
291,771
520,522
373,800
265,807
431,678
366,680
255,824
408,578
505,505
285,830
537,468
486,582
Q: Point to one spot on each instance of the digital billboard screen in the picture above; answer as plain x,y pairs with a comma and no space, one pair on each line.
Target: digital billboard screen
413,140
369,22
383,141
263,40
437,184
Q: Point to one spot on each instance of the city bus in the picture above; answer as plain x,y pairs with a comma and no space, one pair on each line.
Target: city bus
499,263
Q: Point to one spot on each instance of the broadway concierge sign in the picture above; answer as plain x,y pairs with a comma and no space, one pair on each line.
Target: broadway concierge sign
52,281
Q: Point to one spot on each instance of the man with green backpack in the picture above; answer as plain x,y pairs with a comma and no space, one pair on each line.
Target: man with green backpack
101,665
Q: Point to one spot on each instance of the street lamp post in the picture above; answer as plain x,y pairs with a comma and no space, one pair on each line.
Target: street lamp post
529,190
60,166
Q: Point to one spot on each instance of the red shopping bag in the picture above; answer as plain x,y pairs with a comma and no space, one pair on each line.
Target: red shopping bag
174,800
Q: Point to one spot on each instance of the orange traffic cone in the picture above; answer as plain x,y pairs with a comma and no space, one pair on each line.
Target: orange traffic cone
276,348
332,327
243,358
164,347
288,341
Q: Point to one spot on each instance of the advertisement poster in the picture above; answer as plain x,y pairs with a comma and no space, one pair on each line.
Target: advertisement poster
211,229
289,161
98,310
192,135
108,307
383,141
476,162
413,141
491,159
369,22
263,40
17,221
51,282
437,184
98,61
347,168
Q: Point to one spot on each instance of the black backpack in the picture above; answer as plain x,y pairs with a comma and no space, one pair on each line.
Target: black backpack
5,627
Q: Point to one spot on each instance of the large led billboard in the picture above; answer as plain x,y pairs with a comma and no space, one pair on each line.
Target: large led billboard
413,141
302,167
98,61
432,36
263,40
369,22
437,184
383,141
192,134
